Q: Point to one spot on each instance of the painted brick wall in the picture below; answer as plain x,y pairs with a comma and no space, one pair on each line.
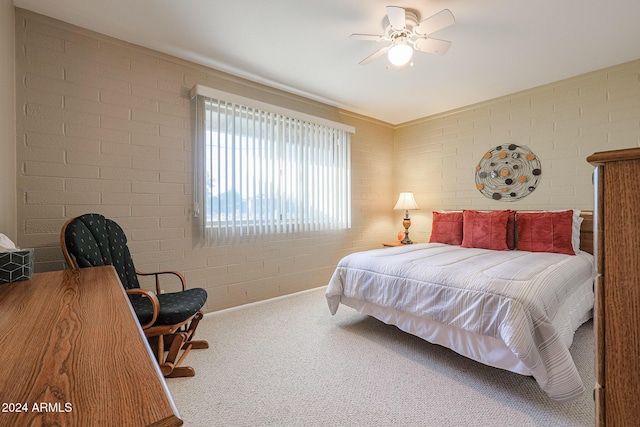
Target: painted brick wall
563,123
104,126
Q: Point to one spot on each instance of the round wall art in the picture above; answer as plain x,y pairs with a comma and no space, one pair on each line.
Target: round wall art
508,173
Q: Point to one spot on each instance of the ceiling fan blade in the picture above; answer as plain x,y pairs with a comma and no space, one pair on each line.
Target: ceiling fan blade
434,23
368,37
397,17
375,55
430,45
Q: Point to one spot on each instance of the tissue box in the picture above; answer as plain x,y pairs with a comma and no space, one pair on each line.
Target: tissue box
15,266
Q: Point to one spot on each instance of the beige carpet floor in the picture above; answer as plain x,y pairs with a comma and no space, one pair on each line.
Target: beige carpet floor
288,362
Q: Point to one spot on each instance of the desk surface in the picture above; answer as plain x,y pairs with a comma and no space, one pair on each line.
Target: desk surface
74,355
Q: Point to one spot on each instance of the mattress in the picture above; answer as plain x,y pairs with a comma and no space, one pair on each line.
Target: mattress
514,310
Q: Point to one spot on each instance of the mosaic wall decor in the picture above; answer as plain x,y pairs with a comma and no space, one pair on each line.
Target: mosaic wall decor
508,173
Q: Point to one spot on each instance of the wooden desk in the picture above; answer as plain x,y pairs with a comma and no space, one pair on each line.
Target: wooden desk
74,355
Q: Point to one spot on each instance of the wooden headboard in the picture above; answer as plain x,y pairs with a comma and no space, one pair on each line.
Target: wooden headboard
586,232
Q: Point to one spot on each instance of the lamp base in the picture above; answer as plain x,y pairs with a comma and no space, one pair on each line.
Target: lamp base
406,240
406,223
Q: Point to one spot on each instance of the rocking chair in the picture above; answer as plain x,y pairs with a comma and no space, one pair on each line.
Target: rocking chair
169,320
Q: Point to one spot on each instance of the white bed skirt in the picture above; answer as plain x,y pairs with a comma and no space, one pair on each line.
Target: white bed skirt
576,310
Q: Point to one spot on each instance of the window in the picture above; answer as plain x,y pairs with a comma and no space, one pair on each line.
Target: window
261,172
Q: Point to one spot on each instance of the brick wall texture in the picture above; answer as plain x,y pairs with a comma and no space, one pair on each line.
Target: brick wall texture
105,126
562,123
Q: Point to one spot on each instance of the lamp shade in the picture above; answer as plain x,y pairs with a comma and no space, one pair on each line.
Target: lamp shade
406,201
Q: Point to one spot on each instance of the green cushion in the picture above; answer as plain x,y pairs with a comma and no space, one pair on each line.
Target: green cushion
175,307
95,240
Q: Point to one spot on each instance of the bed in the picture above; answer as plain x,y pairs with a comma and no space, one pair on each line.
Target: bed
515,307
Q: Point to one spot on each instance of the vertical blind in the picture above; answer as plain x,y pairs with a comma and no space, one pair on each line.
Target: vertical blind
259,172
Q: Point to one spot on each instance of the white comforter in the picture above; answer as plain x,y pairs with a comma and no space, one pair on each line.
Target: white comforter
531,302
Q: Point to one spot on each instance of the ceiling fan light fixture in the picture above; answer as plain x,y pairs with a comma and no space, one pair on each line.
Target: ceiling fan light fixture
406,33
400,54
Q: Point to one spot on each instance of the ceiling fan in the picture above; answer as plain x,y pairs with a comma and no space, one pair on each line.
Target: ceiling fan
404,30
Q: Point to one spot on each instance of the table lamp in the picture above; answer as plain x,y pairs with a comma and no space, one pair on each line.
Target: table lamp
406,202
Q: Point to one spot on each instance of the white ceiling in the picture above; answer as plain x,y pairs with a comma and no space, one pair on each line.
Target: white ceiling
303,46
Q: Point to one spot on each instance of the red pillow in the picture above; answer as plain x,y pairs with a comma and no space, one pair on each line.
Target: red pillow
545,232
446,228
485,230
